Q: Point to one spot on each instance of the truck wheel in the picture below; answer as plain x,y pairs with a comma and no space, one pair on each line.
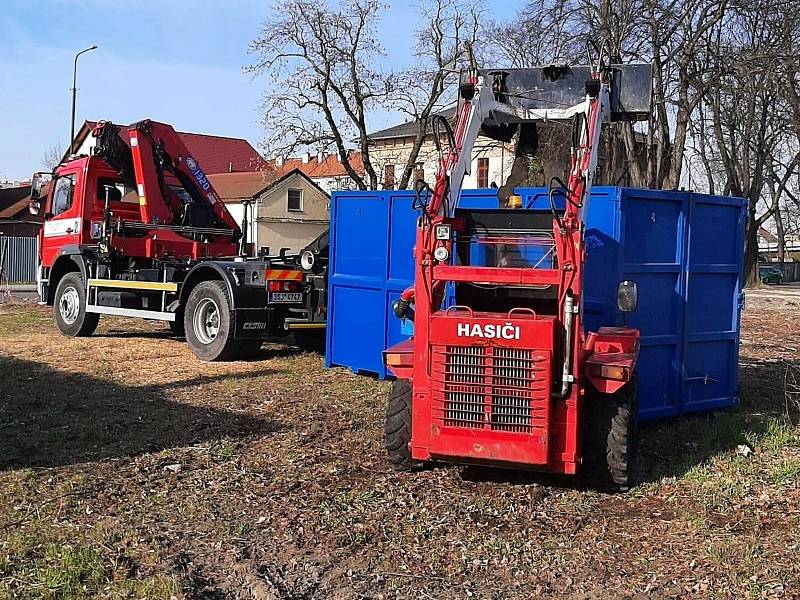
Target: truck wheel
69,308
208,321
310,340
397,435
610,432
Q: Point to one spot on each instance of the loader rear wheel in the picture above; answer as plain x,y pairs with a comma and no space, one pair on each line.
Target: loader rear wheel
397,435
69,308
610,432
208,321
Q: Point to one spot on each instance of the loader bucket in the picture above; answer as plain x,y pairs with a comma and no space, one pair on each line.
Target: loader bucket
564,86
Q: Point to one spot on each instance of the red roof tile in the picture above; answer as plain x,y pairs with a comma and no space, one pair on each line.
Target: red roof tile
234,187
218,154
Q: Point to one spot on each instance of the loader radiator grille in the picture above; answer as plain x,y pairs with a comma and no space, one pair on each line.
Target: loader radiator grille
501,389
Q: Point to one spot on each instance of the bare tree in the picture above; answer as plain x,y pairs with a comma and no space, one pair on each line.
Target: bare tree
321,64
751,113
440,50
52,157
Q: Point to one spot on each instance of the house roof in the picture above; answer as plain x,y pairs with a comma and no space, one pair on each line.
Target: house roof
409,128
767,235
235,187
214,153
13,201
318,166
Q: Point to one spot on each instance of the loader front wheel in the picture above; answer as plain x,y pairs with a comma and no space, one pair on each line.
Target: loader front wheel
69,308
397,435
208,321
609,441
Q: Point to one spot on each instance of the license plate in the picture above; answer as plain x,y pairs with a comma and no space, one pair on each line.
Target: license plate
286,297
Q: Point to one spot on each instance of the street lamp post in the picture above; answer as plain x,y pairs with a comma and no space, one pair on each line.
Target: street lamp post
74,93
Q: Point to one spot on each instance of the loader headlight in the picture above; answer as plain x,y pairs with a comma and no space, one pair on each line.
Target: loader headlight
442,232
307,260
627,296
441,254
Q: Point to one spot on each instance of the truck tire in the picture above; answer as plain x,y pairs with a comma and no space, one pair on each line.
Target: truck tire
208,322
397,434
69,308
609,440
310,340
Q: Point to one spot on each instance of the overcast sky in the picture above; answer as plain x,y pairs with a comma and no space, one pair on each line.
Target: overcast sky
176,61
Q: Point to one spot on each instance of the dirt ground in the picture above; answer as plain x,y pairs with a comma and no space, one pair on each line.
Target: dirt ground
129,469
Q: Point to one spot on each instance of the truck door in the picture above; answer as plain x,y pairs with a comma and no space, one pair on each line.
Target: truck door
63,217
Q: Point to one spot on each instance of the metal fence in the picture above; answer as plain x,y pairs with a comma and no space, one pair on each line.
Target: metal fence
18,259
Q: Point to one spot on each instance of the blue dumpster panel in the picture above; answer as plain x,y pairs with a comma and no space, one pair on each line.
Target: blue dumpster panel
684,250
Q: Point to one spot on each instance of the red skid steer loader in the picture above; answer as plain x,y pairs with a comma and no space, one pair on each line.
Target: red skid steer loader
505,375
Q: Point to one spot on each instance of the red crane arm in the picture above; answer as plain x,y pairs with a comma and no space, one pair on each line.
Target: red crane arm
155,145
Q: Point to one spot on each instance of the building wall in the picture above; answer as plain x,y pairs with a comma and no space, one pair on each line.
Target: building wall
277,227
294,236
396,152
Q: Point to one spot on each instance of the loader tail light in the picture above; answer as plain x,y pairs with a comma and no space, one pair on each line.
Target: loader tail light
283,286
610,372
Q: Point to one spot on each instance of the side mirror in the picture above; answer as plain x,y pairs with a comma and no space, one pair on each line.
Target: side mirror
627,296
38,183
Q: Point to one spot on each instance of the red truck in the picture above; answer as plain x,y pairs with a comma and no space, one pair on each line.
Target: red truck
137,230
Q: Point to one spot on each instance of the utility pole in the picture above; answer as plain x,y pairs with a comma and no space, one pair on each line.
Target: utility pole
74,93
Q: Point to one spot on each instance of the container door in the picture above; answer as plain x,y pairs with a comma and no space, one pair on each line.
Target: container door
653,257
713,284
357,281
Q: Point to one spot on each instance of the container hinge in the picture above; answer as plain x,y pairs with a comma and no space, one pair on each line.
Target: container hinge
570,378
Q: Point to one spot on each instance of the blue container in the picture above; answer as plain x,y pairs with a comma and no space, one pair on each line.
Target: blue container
684,250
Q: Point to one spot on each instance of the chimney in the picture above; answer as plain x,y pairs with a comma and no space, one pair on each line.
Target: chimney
305,158
230,167
279,161
320,158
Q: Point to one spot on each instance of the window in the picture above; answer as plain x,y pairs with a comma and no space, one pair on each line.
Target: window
62,195
388,177
117,191
483,172
419,172
294,200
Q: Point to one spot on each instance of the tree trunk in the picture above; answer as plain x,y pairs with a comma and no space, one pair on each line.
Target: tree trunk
750,271
781,232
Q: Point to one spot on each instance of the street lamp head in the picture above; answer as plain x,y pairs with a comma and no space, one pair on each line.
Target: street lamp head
93,47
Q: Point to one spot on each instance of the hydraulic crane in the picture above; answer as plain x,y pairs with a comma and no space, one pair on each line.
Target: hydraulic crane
506,375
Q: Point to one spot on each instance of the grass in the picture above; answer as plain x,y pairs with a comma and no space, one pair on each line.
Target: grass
283,490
